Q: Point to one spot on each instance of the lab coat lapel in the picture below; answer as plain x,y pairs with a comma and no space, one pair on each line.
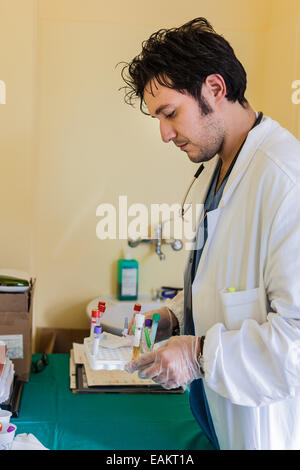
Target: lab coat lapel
255,138
199,197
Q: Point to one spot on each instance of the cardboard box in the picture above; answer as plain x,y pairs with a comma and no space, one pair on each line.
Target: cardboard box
59,340
16,328
14,302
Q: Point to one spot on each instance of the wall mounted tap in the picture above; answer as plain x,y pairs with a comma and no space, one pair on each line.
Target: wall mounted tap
158,242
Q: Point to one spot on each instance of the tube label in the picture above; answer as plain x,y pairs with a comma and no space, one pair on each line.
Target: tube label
137,337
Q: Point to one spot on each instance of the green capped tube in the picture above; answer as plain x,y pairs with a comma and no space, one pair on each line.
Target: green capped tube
155,321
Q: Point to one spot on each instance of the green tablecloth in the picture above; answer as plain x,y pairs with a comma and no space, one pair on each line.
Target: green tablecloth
61,419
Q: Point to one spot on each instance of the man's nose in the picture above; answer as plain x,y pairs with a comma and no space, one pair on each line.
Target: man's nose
167,132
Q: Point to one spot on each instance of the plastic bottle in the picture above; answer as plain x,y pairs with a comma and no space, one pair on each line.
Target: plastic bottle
128,269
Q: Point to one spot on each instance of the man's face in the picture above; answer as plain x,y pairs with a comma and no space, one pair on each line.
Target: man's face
181,121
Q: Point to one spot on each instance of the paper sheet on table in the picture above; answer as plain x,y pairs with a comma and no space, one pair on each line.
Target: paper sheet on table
107,377
79,355
27,442
72,370
113,377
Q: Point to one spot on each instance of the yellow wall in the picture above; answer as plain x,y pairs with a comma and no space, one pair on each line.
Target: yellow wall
17,131
282,63
69,143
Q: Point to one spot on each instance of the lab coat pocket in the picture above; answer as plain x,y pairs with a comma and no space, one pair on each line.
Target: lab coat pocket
239,306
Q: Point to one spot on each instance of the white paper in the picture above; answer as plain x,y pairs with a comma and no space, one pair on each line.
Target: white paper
14,345
72,370
79,355
113,377
104,377
27,442
6,380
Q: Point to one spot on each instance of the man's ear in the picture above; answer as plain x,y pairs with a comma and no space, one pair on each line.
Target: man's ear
215,87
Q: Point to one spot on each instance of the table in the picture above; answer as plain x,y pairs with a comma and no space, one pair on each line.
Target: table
62,420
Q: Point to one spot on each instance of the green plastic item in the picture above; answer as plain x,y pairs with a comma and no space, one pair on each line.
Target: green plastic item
148,340
10,281
128,270
156,317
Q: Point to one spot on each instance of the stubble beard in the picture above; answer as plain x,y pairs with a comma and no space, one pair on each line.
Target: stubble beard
214,129
213,147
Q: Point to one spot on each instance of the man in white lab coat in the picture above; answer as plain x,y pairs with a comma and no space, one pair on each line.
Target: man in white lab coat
239,313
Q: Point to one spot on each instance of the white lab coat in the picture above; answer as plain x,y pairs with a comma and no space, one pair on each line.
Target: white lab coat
252,345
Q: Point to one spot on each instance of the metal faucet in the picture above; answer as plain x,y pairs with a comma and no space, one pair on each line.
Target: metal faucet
158,241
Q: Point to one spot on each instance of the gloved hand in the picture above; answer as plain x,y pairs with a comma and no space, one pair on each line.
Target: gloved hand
172,365
165,326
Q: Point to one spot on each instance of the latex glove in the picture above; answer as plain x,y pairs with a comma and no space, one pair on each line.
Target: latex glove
172,365
165,326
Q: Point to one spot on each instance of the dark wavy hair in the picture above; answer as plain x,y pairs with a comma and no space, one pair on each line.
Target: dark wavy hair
181,58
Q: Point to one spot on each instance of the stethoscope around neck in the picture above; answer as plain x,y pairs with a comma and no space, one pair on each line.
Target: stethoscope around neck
196,175
183,211
177,244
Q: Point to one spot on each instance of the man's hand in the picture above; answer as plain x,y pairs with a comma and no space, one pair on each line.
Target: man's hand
166,323
172,365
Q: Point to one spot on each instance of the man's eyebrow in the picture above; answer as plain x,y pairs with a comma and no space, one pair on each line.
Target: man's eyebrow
160,109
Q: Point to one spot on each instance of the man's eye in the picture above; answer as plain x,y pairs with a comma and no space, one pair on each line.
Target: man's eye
168,116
